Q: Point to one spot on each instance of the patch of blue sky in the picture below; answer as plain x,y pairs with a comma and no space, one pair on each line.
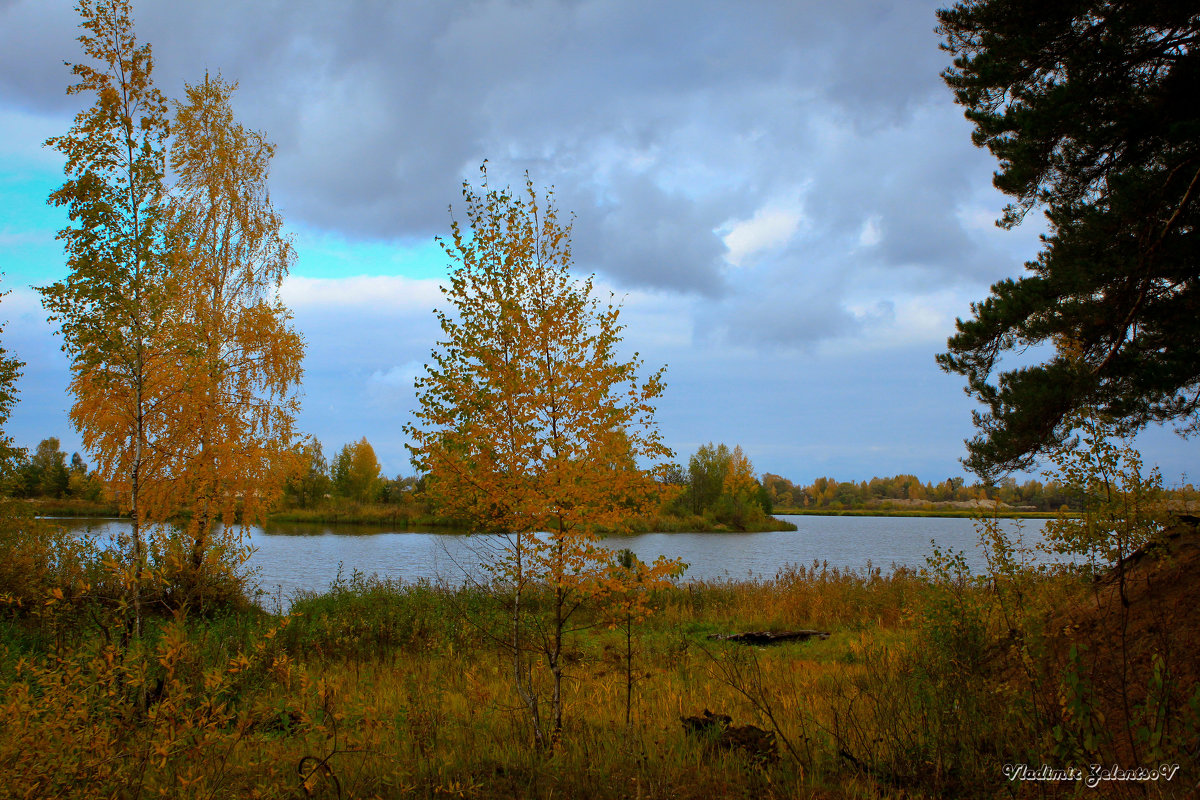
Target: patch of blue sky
29,253
322,254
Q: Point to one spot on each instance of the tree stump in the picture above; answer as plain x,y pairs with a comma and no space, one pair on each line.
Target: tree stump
716,732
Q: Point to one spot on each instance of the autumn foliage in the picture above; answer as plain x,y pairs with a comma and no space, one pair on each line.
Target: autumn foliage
238,353
531,425
183,360
529,419
114,304
356,471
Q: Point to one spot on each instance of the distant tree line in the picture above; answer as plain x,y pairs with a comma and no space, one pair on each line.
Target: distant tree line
354,476
831,493
718,482
46,473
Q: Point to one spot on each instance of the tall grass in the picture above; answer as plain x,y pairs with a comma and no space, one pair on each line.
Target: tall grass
378,688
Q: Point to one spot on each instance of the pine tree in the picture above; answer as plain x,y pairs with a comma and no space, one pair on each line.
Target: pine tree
1090,108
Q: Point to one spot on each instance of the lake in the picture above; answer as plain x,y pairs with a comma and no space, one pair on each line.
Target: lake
293,557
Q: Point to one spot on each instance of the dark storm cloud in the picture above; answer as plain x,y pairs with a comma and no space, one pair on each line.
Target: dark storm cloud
659,122
884,62
912,190
651,231
35,40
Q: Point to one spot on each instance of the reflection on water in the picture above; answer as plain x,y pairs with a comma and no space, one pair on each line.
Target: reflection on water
291,557
344,529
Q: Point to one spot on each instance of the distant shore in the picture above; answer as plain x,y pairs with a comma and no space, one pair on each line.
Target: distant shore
41,507
382,515
919,512
404,519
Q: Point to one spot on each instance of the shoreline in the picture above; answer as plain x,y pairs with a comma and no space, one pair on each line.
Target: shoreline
917,512
384,516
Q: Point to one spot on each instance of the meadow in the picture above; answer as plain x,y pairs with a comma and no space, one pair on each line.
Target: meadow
928,684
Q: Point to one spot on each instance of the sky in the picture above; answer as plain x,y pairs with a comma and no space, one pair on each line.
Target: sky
782,195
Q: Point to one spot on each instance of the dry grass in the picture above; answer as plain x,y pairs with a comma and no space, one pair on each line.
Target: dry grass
385,690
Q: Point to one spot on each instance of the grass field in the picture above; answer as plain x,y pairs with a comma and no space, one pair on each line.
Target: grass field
926,686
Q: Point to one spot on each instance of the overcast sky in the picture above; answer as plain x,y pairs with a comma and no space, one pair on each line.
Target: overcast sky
783,194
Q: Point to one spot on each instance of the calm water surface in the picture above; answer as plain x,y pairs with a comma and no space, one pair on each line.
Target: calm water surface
295,557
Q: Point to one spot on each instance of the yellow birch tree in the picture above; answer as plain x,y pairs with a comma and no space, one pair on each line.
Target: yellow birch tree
356,471
628,586
241,354
184,363
523,412
115,300
738,503
10,370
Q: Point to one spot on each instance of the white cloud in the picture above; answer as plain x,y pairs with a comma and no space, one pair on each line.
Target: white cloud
768,228
903,322
392,292
652,319
977,218
401,375
24,304
871,234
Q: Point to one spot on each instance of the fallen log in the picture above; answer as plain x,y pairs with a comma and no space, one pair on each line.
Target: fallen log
768,637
